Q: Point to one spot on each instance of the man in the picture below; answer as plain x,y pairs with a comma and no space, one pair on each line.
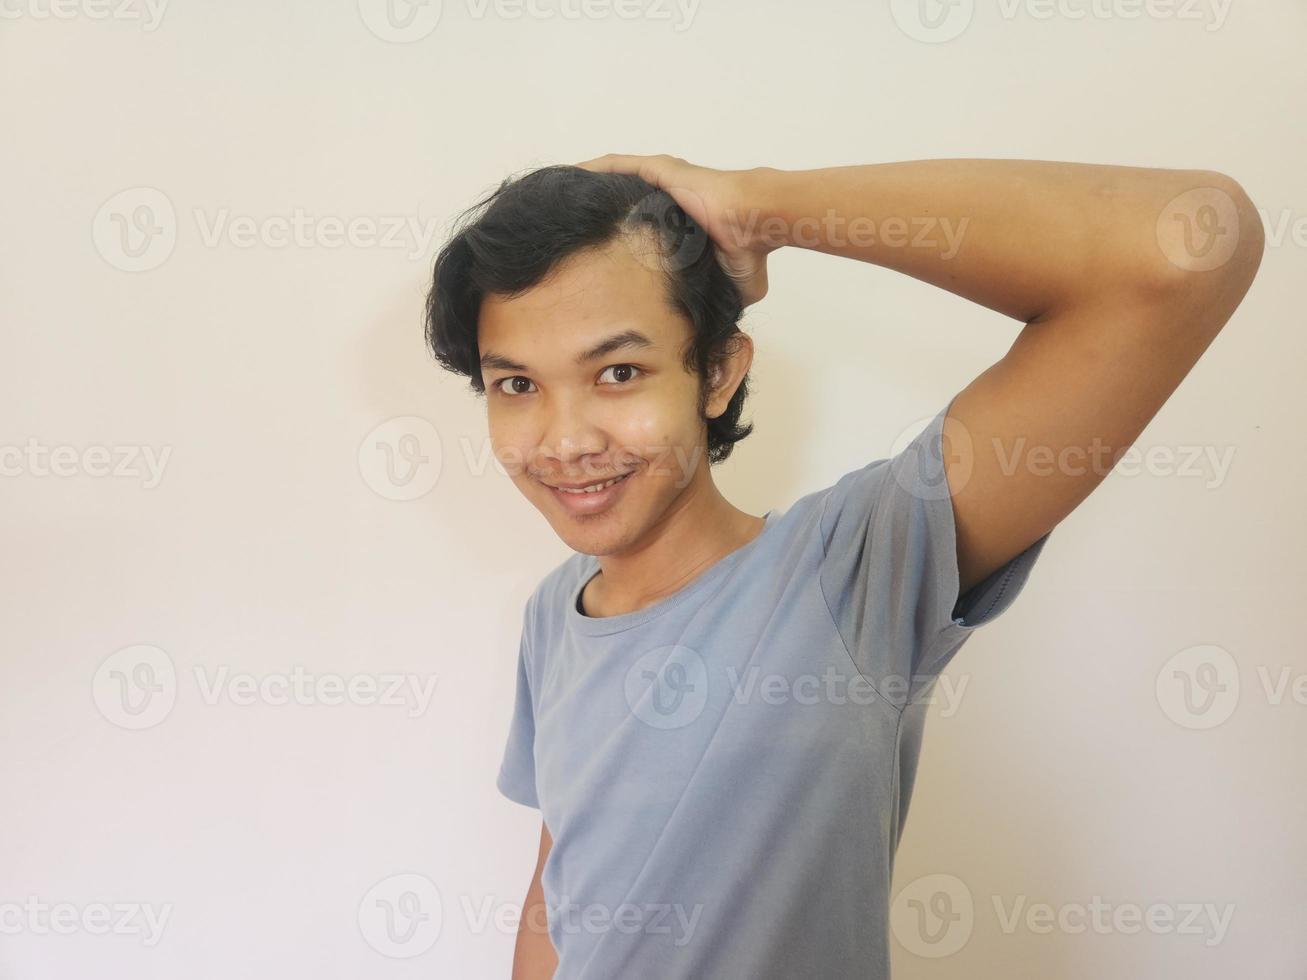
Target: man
718,714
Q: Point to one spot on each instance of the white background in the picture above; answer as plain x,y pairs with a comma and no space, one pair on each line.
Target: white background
264,369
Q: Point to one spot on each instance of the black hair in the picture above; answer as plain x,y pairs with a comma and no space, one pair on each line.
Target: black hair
515,237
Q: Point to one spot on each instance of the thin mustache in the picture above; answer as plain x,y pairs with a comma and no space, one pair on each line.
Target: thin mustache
576,485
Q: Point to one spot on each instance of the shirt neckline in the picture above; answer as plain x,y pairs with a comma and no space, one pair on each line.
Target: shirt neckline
600,625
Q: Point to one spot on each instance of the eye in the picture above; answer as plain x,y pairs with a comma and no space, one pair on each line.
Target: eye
626,368
516,377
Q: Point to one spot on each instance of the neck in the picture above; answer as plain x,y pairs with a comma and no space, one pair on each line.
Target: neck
698,530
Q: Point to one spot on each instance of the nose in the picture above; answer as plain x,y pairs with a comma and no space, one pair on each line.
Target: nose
569,433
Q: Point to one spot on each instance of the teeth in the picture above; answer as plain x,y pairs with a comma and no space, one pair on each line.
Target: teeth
597,487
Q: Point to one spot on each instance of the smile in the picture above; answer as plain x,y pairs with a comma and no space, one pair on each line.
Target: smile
595,487
594,499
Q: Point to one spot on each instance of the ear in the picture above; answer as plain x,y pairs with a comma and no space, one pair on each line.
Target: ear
732,369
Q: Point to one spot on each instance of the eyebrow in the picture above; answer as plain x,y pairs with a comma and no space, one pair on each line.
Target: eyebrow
626,340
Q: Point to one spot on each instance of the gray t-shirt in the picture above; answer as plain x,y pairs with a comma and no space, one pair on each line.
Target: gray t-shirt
725,773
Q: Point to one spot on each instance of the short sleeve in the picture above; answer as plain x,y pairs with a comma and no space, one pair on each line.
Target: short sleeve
889,567
517,772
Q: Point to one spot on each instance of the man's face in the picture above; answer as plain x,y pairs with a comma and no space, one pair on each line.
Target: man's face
557,416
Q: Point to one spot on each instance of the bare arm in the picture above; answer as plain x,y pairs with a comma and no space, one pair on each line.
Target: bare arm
1028,238
1122,275
534,957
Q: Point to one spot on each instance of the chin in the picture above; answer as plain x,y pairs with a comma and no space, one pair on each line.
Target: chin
602,532
596,539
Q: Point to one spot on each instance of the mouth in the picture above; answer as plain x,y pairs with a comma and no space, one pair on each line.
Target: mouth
594,497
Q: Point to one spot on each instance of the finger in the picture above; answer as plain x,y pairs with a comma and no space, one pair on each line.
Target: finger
642,165
608,163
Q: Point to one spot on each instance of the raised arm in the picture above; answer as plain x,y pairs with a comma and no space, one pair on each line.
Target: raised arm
1122,275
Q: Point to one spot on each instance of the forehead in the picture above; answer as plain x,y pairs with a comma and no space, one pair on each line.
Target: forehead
587,298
